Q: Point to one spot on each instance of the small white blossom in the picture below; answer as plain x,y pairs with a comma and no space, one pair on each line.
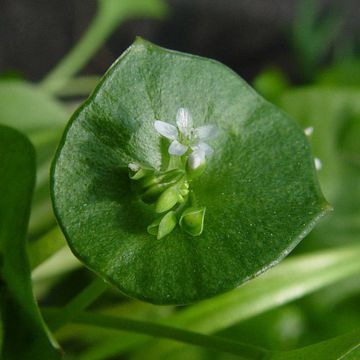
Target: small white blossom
318,164
134,167
184,136
308,131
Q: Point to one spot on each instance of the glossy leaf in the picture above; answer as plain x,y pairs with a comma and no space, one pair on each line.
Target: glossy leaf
259,187
24,333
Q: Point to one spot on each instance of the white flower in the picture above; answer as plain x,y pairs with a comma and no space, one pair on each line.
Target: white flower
318,164
134,167
308,131
185,136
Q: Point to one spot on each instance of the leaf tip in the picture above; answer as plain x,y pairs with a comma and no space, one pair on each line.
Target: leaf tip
327,208
141,42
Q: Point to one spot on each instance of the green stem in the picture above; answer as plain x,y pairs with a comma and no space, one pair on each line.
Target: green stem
108,16
75,306
216,343
193,200
100,28
79,86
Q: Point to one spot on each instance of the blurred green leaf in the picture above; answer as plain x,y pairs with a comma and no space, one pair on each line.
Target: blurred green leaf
288,281
259,188
344,73
24,333
28,109
244,351
332,349
348,139
271,84
278,329
292,279
333,112
313,36
324,109
45,246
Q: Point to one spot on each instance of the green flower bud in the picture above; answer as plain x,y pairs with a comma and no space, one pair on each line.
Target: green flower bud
161,183
169,177
163,226
167,200
153,193
141,173
192,220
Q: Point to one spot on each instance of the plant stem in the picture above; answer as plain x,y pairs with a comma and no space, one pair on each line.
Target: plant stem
99,29
216,343
108,16
79,86
75,306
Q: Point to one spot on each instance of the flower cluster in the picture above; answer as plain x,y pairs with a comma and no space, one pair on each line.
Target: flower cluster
185,138
170,190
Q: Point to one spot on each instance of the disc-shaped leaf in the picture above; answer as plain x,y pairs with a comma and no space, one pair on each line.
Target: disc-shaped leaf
259,188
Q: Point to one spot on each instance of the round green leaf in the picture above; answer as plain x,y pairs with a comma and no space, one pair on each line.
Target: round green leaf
259,187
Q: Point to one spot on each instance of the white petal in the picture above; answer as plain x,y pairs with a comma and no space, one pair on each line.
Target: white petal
207,149
165,129
183,120
206,132
176,148
318,164
196,158
308,131
134,167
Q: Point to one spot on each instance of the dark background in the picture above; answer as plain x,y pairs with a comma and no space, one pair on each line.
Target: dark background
246,35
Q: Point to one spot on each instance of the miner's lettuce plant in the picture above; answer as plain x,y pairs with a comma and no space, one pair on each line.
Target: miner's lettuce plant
258,187
174,183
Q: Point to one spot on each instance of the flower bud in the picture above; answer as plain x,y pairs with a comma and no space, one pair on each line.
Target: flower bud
163,226
169,177
153,193
141,173
159,184
167,200
195,164
192,220
136,172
